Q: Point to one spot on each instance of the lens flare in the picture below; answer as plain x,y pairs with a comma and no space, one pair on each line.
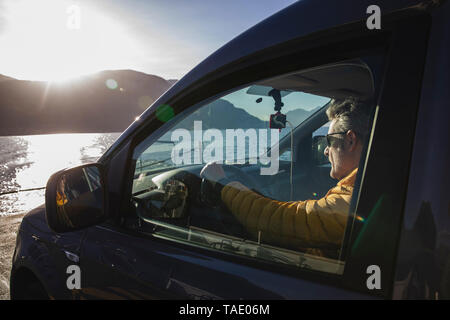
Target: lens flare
164,113
111,84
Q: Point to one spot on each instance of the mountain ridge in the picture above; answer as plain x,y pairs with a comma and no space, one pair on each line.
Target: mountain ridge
107,101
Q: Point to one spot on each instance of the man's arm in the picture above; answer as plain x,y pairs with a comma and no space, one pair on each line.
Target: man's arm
310,223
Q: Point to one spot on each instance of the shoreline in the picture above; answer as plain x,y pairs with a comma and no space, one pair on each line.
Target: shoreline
9,225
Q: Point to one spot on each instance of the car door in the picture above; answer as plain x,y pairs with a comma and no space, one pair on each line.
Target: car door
192,251
119,265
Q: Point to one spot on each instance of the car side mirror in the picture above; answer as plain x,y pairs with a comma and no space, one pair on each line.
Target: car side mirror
319,143
76,198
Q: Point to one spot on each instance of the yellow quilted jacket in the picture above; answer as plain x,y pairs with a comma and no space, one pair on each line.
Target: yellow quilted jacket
301,224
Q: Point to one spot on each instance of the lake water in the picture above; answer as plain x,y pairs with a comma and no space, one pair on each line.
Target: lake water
27,162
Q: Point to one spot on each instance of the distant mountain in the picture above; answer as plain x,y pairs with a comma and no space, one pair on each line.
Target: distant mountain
297,116
5,78
221,114
107,101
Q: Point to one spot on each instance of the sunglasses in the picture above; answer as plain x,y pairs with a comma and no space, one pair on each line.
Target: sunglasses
331,134
329,139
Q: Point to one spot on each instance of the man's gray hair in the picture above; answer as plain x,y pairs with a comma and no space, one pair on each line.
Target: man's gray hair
350,114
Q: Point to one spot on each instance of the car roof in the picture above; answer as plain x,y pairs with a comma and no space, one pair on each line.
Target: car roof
295,21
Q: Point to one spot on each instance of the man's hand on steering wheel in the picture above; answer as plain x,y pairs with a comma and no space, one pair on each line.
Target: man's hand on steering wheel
213,172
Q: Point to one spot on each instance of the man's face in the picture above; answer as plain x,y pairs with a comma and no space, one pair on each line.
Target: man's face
340,153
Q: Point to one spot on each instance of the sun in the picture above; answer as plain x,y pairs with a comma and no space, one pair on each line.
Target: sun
56,40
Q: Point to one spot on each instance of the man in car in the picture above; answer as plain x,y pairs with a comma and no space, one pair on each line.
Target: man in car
315,226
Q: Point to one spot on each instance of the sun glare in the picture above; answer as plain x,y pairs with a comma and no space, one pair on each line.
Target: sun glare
58,40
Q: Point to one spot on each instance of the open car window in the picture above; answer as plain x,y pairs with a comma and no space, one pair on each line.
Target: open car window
277,201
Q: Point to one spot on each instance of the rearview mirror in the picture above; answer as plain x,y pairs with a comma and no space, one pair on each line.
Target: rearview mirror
319,143
75,198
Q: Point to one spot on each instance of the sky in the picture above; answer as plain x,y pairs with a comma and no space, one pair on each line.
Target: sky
294,100
54,40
